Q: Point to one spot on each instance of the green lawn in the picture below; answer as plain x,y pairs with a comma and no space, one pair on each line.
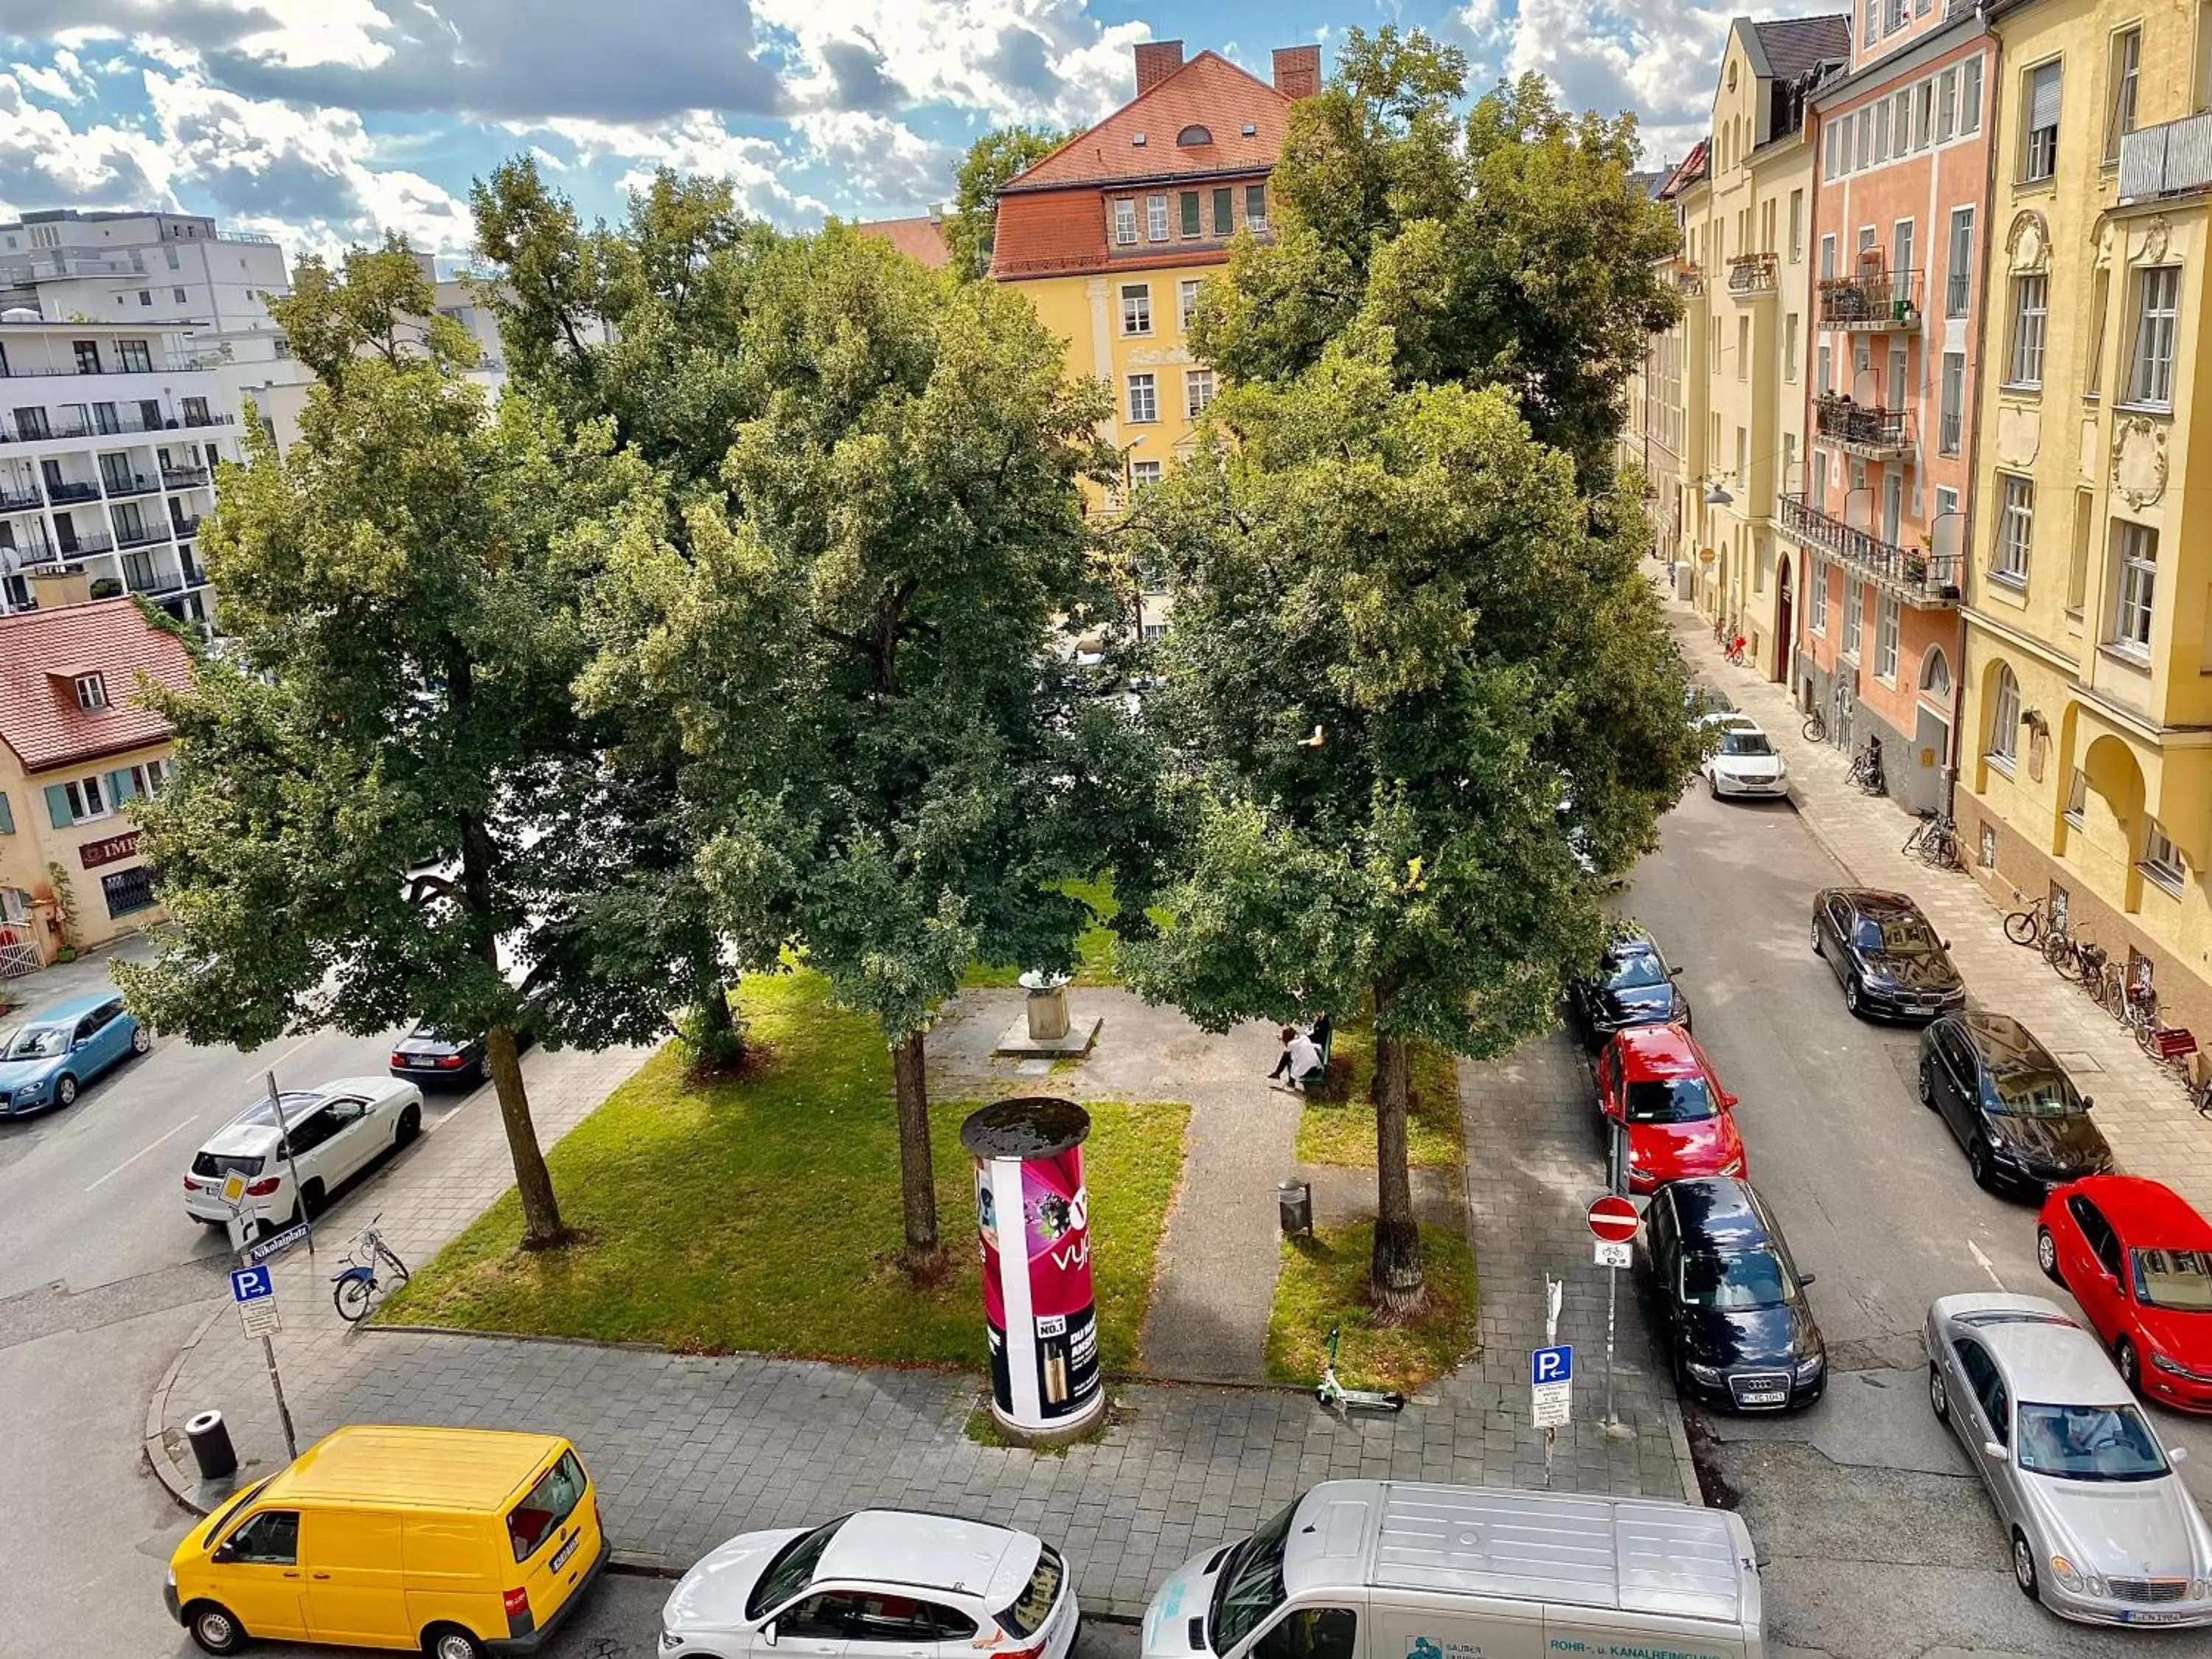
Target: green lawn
1344,1133
763,1213
1324,1282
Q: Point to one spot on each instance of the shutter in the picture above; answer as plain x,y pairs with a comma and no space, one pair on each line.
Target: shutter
57,806
7,817
2043,98
119,788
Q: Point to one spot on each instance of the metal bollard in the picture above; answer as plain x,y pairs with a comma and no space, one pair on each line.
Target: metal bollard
1294,1207
211,1447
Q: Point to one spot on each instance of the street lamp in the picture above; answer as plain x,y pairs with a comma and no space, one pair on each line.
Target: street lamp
1716,496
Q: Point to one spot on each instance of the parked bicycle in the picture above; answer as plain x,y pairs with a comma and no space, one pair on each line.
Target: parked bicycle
359,1287
1815,727
1330,1392
2061,951
1734,653
2026,928
1866,767
1936,841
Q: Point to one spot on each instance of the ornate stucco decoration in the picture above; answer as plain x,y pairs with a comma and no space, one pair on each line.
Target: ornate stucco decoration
2139,461
2157,236
2027,247
2020,434
2104,255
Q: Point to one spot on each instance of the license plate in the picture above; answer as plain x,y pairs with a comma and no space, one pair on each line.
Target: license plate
561,1556
2128,1616
1765,1396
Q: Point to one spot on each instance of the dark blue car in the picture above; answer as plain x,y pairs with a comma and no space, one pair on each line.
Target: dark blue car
51,1055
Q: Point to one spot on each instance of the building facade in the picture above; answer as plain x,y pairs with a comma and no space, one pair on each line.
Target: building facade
1881,512
75,750
2087,779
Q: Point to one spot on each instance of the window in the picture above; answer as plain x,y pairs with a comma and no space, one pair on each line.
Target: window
1186,301
147,777
1156,218
126,891
1224,215
1950,417
1796,227
2150,377
1865,146
2030,301
1827,258
1924,121
1197,390
2161,862
1824,374
1832,152
145,296
1143,474
2100,297
1854,606
1901,249
1255,206
2077,565
2040,159
1125,220
88,355
268,1539
2004,717
1790,345
1970,97
1187,206
1884,638
550,1502
1935,673
171,252
1144,402
2077,796
2126,71
1881,132
1899,357
1743,347
196,412
1311,1633
1960,278
136,360
2138,561
1136,308
1819,598
1947,104
91,692
2015,530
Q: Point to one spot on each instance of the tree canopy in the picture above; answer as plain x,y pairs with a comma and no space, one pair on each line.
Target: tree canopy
997,156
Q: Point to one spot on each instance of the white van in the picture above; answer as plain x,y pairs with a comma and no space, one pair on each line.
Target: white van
1385,1570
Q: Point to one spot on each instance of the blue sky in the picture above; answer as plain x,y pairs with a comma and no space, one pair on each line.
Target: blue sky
326,122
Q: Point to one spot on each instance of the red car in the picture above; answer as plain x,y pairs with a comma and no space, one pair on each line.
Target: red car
1656,1082
2139,1261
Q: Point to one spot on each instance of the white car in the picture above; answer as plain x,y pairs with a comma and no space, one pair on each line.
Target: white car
1743,761
922,1586
335,1132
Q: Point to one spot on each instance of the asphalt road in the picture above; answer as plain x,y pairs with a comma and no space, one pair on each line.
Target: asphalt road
1880,1539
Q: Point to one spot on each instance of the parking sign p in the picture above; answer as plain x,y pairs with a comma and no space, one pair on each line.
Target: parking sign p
1555,1364
251,1284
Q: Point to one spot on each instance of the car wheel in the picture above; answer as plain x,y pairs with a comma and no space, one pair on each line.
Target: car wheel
1817,950
483,1066
311,1199
1977,1162
410,1125
1712,786
2129,1366
1939,1397
451,1642
214,1628
141,1040
1927,1087
66,1091
1852,997
2023,1566
2046,1255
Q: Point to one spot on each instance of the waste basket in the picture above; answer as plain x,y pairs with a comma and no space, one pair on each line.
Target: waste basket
211,1447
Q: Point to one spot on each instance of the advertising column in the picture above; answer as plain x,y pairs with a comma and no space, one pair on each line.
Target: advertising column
1032,1221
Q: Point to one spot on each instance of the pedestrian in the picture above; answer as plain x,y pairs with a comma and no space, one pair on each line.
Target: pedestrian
1301,1058
1283,1062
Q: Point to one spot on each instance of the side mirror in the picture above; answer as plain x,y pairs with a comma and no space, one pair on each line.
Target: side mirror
1728,1099
1674,973
1946,944
768,1634
1806,1278
2087,1102
1994,1451
2177,1454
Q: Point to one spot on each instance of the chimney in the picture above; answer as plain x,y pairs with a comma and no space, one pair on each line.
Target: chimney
1156,61
52,589
1298,70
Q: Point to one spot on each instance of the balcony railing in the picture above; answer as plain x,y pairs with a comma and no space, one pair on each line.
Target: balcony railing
87,541
184,478
1864,429
146,535
61,494
1958,291
1752,274
1927,581
211,420
1874,300
2167,158
1689,280
187,528
135,483
19,501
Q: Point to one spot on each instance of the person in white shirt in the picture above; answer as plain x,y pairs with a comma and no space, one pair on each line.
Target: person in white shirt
1301,1057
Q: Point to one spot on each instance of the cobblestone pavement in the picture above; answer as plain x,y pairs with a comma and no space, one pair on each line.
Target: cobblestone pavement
2152,1129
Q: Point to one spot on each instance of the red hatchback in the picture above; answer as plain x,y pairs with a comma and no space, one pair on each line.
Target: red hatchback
2139,1261
1655,1081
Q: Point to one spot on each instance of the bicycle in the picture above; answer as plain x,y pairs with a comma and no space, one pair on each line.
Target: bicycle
357,1288
1815,729
2090,962
2064,955
1935,843
1330,1392
2026,927
1866,767
1735,653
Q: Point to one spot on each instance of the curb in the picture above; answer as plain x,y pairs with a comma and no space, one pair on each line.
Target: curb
1677,1437
155,1446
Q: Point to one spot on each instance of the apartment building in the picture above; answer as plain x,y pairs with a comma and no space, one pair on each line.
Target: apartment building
2086,769
109,437
159,271
1665,432
1882,513
75,749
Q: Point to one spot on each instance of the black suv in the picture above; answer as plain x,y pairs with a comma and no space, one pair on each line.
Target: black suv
1633,985
1888,957
2023,1123
1731,1301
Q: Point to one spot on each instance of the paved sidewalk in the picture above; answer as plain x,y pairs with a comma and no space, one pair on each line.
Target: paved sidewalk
2152,1129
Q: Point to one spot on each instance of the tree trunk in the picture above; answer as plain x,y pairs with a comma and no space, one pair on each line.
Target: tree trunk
1395,1269
923,1257
720,1041
541,1211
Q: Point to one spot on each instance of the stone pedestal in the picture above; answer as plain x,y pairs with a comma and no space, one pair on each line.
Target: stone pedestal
1048,1013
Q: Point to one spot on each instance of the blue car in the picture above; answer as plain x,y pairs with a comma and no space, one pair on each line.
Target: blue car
56,1051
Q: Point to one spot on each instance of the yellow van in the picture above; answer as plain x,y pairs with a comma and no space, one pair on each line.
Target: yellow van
453,1542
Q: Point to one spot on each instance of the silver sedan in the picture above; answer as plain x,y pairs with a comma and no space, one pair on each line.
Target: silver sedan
2102,1528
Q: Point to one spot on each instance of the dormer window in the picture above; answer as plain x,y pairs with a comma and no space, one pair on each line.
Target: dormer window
91,692
1190,138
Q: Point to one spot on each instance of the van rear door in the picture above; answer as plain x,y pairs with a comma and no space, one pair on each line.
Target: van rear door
355,1593
553,1532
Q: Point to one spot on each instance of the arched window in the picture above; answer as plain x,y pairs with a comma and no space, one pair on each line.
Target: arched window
2004,717
1192,136
1936,673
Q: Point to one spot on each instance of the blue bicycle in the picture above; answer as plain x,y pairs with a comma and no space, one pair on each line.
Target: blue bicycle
359,1286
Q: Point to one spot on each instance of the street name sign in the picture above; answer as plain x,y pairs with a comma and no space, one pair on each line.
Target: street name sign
276,1244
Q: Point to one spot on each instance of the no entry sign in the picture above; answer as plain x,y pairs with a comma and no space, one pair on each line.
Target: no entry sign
1613,1220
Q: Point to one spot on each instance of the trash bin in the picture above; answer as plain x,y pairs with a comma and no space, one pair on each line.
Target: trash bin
1294,1207
212,1449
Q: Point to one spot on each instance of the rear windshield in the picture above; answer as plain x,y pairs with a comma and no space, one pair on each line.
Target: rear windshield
550,1502
215,1165
794,1570
1898,936
1034,1604
1671,1100
2180,1279
2037,1094
1745,743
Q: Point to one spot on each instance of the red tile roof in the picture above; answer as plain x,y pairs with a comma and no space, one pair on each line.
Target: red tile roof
921,238
41,652
1208,92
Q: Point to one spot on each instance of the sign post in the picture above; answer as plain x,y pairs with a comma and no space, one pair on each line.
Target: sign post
1551,1367
1613,1220
254,1290
284,1141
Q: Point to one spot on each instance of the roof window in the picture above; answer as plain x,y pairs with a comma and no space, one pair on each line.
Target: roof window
1137,139
91,692
1191,137
1251,130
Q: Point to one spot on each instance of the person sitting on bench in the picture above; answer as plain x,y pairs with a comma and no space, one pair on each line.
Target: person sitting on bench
1302,1060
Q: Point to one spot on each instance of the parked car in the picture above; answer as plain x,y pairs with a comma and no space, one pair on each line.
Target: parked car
1658,1083
1887,957
428,1056
1633,985
916,1584
335,1132
1744,761
2139,1261
1705,702
2102,1529
2023,1124
1732,1302
455,1543
50,1056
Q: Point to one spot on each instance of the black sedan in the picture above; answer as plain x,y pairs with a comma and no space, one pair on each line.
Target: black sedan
431,1058
1731,1301
1633,985
2025,1126
1888,957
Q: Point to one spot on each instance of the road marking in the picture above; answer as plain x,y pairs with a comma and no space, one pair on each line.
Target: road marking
1988,1266
187,1124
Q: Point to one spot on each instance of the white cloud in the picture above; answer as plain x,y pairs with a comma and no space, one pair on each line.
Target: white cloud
65,81
698,143
44,160
881,160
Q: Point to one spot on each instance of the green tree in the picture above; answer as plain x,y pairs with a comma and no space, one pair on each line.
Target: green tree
892,761
1425,705
381,785
991,160
1507,250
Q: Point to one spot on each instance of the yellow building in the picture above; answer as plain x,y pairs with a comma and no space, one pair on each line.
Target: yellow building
2086,774
75,750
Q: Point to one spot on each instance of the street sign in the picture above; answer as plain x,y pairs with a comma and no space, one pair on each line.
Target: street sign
251,1284
276,1244
259,1317
1611,1253
1553,1366
1552,1407
1613,1220
233,1190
